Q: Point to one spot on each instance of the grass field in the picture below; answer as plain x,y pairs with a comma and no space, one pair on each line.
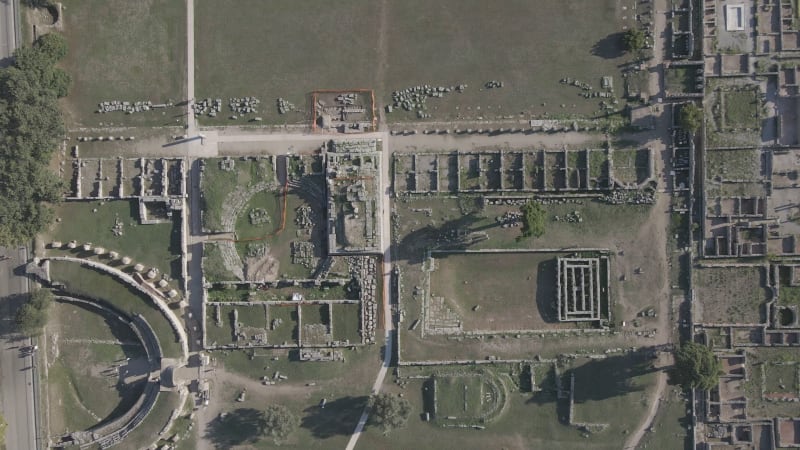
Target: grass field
283,49
87,282
729,295
345,385
760,363
670,423
604,388
397,44
459,396
80,394
529,421
127,51
519,293
152,245
346,322
214,266
286,330
742,164
217,184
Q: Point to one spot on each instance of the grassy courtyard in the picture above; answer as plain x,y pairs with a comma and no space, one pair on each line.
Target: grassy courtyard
155,245
126,51
518,294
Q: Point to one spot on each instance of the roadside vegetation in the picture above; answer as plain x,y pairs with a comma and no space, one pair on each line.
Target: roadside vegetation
32,316
31,125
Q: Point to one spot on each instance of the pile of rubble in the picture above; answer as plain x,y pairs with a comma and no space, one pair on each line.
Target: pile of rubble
117,229
622,197
347,99
576,83
493,84
227,164
128,107
510,219
414,98
207,106
243,105
571,217
284,106
258,250
302,253
363,269
303,218
258,216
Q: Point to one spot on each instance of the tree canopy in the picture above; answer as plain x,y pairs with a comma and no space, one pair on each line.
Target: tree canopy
30,129
389,411
696,367
691,118
533,216
32,315
634,40
279,422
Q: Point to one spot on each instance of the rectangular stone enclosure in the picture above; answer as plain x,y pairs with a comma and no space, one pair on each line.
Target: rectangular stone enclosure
582,286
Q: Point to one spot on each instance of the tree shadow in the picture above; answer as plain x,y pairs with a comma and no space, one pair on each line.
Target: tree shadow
596,380
338,417
546,291
240,426
610,47
601,379
449,236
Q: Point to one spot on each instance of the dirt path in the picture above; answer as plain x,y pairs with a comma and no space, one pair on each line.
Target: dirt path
655,401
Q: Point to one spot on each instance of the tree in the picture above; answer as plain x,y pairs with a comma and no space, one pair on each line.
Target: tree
389,411
32,127
32,315
691,118
634,40
696,367
279,422
533,216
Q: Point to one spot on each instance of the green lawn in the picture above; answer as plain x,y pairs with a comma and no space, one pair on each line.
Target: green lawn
286,331
84,281
218,335
67,413
346,322
459,397
152,245
126,51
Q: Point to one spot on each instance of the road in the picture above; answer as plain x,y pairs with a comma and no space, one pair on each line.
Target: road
16,368
8,30
388,322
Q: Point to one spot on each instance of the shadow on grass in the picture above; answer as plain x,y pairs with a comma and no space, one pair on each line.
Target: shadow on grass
595,380
445,237
339,417
240,426
546,292
610,47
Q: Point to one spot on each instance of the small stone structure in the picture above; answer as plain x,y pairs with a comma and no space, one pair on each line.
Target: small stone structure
582,284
